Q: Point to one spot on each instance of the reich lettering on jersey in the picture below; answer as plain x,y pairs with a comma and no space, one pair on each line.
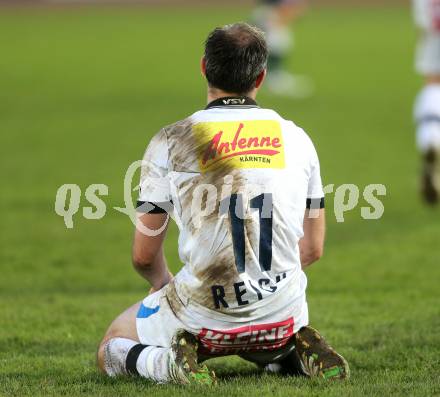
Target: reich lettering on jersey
244,144
249,338
241,292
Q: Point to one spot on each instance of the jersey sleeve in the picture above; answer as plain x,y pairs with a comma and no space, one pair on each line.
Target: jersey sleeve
154,187
315,191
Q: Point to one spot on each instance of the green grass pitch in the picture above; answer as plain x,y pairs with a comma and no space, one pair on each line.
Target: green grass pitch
81,93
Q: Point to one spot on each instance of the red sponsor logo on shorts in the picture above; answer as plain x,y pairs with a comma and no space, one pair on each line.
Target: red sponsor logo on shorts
246,339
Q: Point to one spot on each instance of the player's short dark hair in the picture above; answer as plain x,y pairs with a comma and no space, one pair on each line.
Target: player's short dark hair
235,55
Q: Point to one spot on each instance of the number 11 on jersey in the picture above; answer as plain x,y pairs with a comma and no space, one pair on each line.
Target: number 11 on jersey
264,204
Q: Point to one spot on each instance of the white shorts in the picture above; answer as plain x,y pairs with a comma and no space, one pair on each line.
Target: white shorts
428,54
261,340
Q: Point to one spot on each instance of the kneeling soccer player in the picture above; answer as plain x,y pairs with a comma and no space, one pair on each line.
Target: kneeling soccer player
244,187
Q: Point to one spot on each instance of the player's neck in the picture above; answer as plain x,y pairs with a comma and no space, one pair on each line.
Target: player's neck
215,93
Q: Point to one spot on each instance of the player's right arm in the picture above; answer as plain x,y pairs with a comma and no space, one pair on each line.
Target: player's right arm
147,255
153,208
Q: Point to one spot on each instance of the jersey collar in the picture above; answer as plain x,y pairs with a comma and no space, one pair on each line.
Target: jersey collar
232,101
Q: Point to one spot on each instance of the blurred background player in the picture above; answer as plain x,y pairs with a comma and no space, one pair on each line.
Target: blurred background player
427,106
275,17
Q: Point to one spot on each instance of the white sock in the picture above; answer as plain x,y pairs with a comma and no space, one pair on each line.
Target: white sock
115,355
154,363
427,116
273,368
151,362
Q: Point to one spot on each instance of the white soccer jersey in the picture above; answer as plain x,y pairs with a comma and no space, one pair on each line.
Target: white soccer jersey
427,14
238,178
427,17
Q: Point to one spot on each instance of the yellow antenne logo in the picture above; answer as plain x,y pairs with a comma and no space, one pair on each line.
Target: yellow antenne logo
247,144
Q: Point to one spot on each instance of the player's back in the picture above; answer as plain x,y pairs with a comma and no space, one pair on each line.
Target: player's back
239,180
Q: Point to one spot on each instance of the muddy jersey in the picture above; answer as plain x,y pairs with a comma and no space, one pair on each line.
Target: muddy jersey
237,179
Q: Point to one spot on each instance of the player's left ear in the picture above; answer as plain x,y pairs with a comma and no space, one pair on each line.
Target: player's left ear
260,78
203,66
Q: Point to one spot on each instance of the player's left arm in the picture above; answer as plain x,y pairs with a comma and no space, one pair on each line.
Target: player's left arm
147,254
311,246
